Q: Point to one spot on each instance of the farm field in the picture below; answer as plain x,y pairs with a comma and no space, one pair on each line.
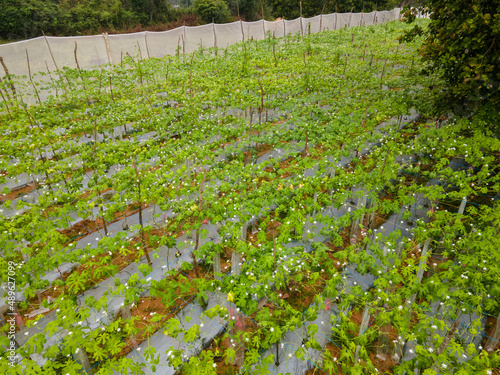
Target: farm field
290,205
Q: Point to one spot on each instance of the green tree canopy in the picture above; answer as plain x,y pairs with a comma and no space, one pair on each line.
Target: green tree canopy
212,10
463,47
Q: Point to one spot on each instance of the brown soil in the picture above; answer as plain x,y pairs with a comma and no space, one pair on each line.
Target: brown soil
87,226
334,351
17,192
34,304
107,264
434,265
225,260
148,307
489,330
258,151
301,299
384,367
142,313
356,316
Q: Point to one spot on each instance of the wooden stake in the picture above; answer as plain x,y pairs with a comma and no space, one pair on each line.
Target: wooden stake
336,17
50,51
301,29
6,104
146,42
184,42
108,49
53,59
12,87
29,73
76,58
382,76
140,211
50,76
215,37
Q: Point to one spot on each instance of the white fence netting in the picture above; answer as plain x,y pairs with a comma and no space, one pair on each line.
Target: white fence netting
52,53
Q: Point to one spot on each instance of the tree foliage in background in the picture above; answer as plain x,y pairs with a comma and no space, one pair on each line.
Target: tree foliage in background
212,10
151,11
290,9
21,19
28,18
92,15
463,47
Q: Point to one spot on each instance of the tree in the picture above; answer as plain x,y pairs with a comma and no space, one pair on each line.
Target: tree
463,48
26,19
151,11
212,10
